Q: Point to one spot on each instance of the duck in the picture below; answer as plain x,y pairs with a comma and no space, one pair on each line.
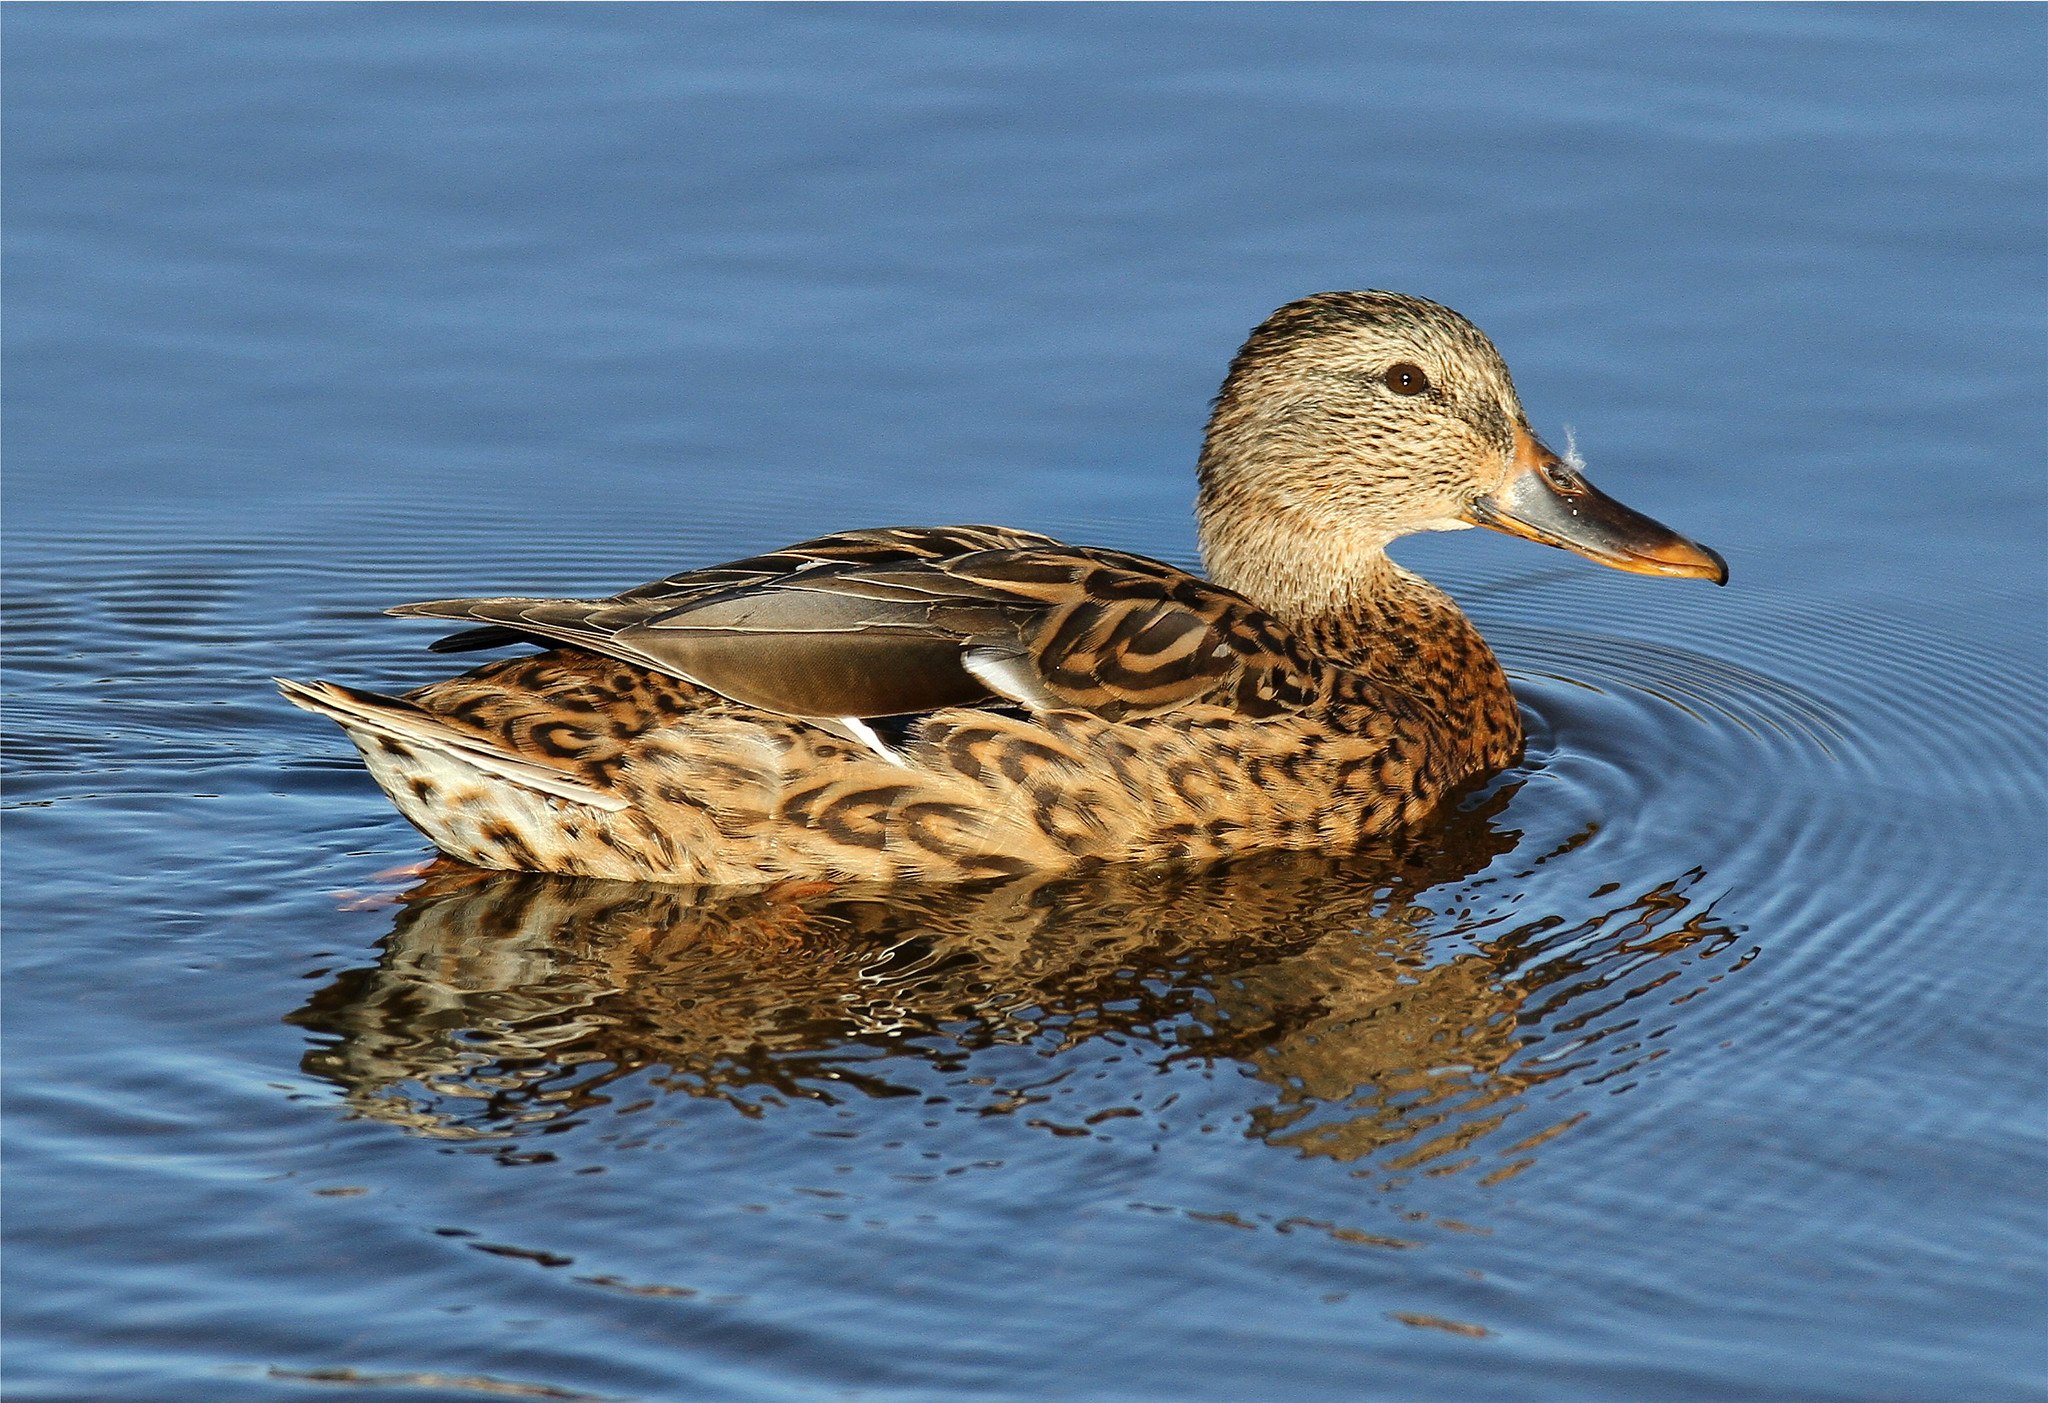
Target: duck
955,703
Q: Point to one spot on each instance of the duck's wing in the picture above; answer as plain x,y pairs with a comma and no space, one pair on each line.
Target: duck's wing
1044,625
882,545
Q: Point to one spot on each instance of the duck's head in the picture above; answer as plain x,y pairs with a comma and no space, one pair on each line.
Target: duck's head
1350,419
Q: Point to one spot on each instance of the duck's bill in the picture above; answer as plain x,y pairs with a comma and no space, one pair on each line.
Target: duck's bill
1546,500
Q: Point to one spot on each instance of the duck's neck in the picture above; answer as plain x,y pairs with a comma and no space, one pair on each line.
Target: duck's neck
1349,603
1261,554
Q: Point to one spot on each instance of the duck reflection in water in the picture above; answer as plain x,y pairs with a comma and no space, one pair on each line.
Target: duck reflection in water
1384,997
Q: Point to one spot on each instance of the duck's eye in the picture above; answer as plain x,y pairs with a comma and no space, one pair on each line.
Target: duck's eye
1406,379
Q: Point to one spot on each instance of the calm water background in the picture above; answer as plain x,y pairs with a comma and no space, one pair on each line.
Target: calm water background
1701,1059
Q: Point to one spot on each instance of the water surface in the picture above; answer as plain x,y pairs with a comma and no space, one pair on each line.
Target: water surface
1699,1057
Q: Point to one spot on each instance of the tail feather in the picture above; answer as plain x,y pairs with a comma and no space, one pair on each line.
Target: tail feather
394,719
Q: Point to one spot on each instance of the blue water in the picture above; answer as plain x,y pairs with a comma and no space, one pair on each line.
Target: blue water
1702,1059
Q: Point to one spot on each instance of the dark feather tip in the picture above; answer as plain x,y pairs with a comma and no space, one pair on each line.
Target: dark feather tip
472,639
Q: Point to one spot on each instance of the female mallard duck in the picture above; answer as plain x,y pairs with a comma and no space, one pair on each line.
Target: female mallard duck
970,701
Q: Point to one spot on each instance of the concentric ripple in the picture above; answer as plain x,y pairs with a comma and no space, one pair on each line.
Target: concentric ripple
1803,756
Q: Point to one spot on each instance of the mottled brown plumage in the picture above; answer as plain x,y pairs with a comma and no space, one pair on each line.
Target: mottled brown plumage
1046,705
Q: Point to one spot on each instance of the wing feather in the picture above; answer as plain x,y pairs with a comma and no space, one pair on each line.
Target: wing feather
899,621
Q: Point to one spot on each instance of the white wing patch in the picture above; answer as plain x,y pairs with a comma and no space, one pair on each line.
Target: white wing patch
854,729
1009,675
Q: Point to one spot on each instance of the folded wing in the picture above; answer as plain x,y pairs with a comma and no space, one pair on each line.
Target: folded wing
884,623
